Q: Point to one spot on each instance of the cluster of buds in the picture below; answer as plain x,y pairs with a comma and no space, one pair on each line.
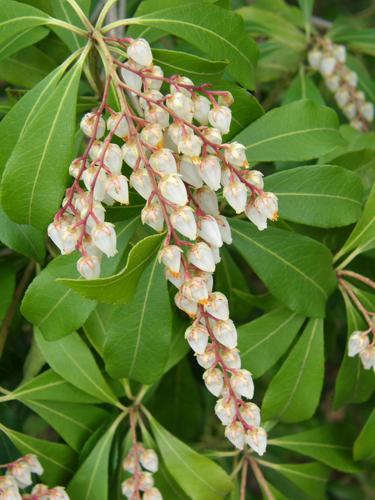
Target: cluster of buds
329,59
19,476
359,343
141,463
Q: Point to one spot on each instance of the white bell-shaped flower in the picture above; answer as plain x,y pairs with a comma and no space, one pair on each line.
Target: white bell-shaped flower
367,357
226,175
173,189
118,189
206,276
177,130
350,110
217,306
339,52
200,256
141,182
104,237
183,220
69,239
220,117
209,231
170,255
195,289
95,180
90,122
202,107
210,171
256,217
163,162
333,82
132,79
179,84
207,359
140,51
207,200
112,158
149,460
128,487
358,341
188,306
224,228
152,215
327,65
118,123
190,145
130,153
231,358
176,278
235,154
250,413
367,110
156,114
342,96
225,332
58,493
242,384
225,98
181,105
148,96
54,232
197,337
314,57
188,169
152,494
75,167
225,410
216,254
129,463
21,472
88,266
212,135
236,195
254,177
214,380
33,463
155,80
153,135
235,433
267,205
351,77
257,440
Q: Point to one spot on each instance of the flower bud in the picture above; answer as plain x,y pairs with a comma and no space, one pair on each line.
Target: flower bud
358,341
153,135
214,380
197,337
170,255
367,110
350,110
131,78
225,410
190,145
342,96
235,154
225,332
54,232
181,80
235,433
220,118
207,200
163,162
117,188
367,357
225,99
149,95
314,57
224,229
255,178
195,289
231,357
181,105
183,220
188,169
128,487
188,306
129,463
140,51
173,189
208,230
266,204
236,195
257,440
212,135
206,276
94,180
149,460
75,167
141,182
69,238
152,215
207,359
88,124
333,82
339,51
177,130
217,306
176,278
156,114
202,107
152,83
350,77
226,175
216,254
257,218
88,266
250,413
104,237
21,472
146,481
119,124
152,494
200,256
57,493
327,65
210,171
242,384
130,153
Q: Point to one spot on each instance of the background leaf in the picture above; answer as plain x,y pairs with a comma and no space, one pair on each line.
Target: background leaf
364,446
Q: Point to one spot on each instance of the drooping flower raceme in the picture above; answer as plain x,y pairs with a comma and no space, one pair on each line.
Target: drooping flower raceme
178,161
329,59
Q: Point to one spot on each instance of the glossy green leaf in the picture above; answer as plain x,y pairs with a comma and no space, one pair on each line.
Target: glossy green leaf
327,444
321,196
294,393
198,476
16,17
41,157
120,288
72,359
364,446
303,87
298,131
276,62
22,40
97,324
218,33
307,8
58,460
296,269
63,10
264,340
137,343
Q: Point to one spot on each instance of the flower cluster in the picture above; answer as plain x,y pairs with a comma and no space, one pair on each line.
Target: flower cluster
359,343
141,463
19,476
329,59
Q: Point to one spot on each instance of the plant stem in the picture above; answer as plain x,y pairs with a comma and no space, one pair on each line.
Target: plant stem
76,7
350,292
104,13
245,467
357,276
260,478
52,21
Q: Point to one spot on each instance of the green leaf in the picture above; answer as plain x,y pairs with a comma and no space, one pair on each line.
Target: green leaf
198,476
264,340
91,479
55,309
320,195
120,288
294,393
63,10
73,422
358,40
298,131
215,31
72,359
276,62
50,386
41,157
97,324
22,40
307,8
16,17
140,350
58,460
303,87
22,238
8,284
288,262
327,444
364,446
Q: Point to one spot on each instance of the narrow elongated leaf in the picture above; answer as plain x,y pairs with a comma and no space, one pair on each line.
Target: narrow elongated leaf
294,392
198,476
58,460
364,446
97,324
72,359
120,288
321,196
303,87
22,40
137,343
217,32
16,17
307,8
298,131
41,158
64,11
296,269
327,444
264,340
